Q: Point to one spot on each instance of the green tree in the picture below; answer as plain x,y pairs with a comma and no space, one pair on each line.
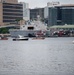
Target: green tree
4,30
17,20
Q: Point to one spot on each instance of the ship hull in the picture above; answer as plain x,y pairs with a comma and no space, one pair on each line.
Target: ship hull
26,33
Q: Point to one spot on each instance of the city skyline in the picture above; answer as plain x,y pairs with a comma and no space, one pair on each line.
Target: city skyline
43,3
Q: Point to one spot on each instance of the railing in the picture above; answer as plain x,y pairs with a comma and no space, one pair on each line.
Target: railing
1,26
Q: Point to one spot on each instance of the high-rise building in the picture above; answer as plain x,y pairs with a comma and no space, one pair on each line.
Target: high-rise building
49,5
52,18
26,11
67,15
61,15
10,11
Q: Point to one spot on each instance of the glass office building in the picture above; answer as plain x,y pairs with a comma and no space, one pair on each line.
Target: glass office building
61,15
35,12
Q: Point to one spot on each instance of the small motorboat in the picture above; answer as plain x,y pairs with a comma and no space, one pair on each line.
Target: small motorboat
38,38
20,38
3,37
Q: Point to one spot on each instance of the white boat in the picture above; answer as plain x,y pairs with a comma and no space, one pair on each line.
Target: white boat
29,29
20,38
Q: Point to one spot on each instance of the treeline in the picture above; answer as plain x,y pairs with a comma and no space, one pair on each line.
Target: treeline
4,30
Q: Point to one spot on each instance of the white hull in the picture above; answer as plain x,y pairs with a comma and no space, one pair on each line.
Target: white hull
16,32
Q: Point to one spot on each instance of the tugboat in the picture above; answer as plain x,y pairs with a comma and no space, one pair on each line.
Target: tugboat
20,38
39,35
38,38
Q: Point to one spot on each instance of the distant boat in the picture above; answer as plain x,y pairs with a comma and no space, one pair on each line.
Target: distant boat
20,38
38,38
39,35
3,37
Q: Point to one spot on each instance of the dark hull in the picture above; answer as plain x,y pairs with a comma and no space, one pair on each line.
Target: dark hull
20,39
4,39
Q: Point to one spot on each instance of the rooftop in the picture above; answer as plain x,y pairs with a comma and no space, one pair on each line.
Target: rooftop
62,26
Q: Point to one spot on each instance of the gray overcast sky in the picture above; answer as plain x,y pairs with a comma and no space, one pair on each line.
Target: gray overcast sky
43,3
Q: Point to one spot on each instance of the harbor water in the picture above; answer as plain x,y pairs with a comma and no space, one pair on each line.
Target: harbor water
51,56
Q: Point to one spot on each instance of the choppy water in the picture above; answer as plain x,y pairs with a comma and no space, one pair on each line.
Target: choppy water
52,56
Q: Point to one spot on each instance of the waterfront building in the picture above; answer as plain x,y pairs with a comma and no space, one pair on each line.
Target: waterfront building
55,14
62,27
43,12
52,17
26,11
35,12
10,12
49,10
61,15
67,14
